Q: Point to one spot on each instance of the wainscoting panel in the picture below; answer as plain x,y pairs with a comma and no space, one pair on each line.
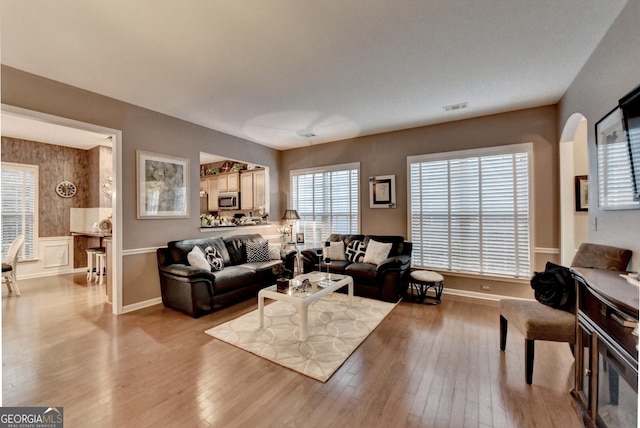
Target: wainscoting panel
55,257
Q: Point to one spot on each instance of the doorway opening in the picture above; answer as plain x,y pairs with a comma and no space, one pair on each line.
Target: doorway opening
42,121
574,166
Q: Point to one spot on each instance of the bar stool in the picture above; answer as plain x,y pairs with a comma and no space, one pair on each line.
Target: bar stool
101,257
422,281
99,253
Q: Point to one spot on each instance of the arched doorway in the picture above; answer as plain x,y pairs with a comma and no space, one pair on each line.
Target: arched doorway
574,161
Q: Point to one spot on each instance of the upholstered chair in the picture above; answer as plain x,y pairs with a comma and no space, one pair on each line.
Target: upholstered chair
541,322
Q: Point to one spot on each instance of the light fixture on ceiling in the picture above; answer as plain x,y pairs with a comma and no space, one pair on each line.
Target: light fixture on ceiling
458,106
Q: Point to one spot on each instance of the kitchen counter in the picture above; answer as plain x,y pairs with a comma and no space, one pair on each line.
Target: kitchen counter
234,227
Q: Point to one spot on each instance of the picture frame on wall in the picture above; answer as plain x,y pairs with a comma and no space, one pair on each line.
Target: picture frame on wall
382,191
162,185
582,192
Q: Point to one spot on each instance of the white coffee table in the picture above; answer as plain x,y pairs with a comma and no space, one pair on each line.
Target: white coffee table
302,300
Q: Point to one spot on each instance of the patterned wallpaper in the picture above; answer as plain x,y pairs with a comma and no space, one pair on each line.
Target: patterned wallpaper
57,163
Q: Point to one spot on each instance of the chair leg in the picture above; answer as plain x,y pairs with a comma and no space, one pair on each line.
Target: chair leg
7,280
503,333
14,284
528,356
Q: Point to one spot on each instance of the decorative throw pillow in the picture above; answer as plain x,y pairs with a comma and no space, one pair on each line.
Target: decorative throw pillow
376,252
335,251
197,259
257,252
274,251
355,251
214,258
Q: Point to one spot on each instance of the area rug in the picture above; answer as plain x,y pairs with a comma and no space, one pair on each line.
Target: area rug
335,330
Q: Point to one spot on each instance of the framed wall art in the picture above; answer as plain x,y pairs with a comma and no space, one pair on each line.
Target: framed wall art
162,185
582,192
382,191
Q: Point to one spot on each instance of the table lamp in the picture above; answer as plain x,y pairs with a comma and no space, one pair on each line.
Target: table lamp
290,216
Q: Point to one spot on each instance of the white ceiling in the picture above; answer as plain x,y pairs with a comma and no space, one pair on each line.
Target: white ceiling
25,128
270,71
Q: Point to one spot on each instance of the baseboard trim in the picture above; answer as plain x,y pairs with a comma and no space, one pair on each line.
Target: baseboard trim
141,305
476,295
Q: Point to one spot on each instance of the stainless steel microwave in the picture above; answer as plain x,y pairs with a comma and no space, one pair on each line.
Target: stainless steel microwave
229,201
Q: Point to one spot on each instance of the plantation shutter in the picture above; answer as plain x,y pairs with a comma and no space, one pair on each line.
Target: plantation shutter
327,201
19,207
469,212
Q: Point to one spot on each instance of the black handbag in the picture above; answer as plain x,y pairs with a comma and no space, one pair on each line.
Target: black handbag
554,287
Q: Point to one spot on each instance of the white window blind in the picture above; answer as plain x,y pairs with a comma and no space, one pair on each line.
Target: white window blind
327,201
615,186
470,211
19,207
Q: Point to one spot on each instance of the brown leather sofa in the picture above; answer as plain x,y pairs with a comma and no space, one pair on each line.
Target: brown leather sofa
198,291
387,280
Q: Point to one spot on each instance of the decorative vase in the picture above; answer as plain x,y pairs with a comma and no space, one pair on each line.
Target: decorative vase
282,284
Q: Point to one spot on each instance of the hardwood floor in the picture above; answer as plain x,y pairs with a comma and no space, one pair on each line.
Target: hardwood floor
424,366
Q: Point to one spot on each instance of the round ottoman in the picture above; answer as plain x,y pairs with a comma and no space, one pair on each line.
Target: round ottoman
422,280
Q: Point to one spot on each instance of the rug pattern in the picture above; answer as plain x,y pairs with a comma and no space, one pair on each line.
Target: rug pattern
335,330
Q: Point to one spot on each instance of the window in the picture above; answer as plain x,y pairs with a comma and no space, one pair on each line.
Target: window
615,186
470,211
19,207
327,200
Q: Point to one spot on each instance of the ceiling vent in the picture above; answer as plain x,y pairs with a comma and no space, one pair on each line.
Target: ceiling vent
458,106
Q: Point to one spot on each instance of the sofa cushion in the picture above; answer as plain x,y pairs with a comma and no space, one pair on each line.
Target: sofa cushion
264,270
377,251
396,241
236,247
355,251
233,278
214,258
257,252
362,272
335,250
275,251
197,259
180,249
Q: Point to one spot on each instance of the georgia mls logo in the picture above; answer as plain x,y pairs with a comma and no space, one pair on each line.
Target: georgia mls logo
31,417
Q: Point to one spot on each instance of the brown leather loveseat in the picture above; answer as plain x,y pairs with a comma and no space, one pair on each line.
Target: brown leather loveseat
384,280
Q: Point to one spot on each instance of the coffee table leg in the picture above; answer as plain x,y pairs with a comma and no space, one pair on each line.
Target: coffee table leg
261,309
350,287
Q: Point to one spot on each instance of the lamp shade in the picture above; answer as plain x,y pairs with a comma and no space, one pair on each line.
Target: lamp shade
290,215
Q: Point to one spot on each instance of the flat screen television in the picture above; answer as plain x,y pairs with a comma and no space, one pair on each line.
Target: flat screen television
630,106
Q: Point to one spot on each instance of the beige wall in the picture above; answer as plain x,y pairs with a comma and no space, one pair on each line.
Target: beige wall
612,71
387,153
142,129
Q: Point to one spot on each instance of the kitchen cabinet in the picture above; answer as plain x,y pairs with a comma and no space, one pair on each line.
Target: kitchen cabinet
203,185
252,189
228,182
212,193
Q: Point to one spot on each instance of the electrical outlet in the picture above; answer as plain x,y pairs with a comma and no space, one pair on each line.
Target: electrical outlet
485,287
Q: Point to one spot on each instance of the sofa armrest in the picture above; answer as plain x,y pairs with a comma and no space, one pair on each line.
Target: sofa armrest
186,271
288,257
309,259
400,262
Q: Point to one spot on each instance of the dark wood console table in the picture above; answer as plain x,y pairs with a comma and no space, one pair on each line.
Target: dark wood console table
606,380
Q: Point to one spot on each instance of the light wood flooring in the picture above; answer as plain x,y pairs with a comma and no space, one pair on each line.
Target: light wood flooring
424,366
